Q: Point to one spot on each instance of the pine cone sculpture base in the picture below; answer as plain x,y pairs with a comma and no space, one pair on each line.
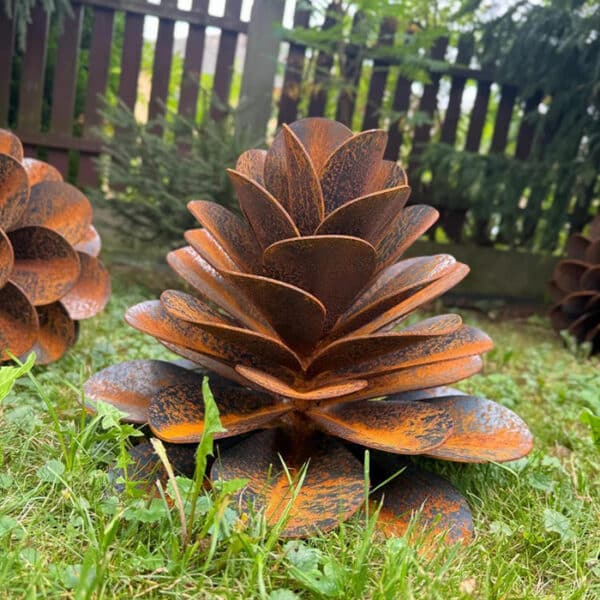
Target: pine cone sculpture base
299,317
50,276
575,287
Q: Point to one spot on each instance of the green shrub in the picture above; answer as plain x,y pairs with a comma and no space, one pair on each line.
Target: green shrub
150,171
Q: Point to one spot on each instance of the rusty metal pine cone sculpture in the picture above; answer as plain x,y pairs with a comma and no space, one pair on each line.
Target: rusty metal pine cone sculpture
575,287
298,317
50,276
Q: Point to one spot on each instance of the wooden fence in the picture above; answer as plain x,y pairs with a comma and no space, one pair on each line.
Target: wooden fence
54,113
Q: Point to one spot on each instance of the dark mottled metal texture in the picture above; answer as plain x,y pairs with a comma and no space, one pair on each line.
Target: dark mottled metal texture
298,312
575,288
49,274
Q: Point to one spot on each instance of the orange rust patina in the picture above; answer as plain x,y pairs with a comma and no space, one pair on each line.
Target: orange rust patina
298,315
575,287
50,276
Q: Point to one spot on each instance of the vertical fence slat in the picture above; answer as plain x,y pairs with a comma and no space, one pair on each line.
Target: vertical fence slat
503,118
292,79
452,219
7,43
379,77
477,120
527,127
260,65
64,86
351,68
161,68
131,58
465,51
192,64
324,62
400,105
224,67
33,67
99,62
428,103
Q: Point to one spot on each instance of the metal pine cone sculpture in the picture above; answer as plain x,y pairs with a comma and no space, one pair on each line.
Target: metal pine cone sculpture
575,287
50,277
293,316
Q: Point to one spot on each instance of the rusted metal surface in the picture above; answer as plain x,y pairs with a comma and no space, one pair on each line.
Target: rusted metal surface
49,273
575,288
295,304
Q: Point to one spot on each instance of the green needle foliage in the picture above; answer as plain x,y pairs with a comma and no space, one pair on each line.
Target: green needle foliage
152,170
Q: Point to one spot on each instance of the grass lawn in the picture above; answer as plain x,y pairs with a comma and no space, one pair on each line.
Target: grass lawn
64,532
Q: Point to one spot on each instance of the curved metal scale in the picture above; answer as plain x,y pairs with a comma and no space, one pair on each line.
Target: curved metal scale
48,250
292,317
575,288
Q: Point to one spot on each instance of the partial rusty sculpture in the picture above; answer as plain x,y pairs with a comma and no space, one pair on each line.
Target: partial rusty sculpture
50,276
575,287
299,315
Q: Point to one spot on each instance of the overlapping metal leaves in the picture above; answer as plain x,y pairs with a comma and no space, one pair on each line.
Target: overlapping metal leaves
298,314
50,276
575,287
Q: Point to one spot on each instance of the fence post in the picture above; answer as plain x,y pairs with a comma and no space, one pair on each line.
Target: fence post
260,64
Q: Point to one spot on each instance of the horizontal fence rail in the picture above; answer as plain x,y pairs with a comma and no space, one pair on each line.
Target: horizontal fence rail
51,95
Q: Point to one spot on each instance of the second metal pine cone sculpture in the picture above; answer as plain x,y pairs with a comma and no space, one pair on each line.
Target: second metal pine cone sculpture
298,316
50,276
575,287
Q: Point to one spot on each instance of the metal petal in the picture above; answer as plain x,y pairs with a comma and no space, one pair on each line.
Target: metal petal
18,322
146,467
332,268
349,170
333,489
353,349
297,316
395,284
568,273
233,234
380,353
320,137
592,254
129,386
90,243
14,191
7,258
183,306
210,250
436,392
575,303
92,290
187,263
416,299
368,217
389,175
580,327
422,376
483,431
56,335
61,207
231,344
560,320
440,507
46,267
10,144
278,386
176,414
267,217
212,365
410,225
402,427
304,198
38,171
591,278
251,163
577,244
